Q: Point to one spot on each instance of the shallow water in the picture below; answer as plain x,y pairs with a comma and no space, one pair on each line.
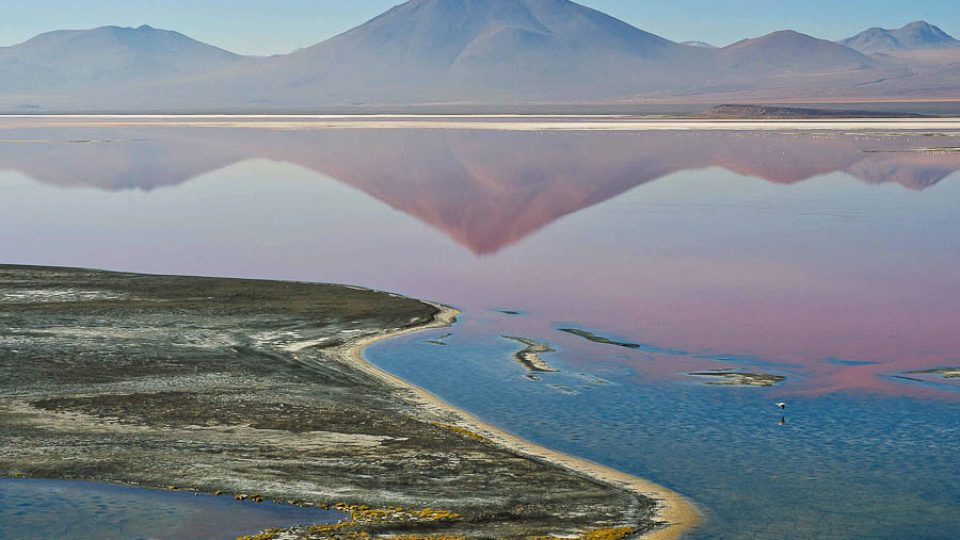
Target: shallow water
828,258
46,509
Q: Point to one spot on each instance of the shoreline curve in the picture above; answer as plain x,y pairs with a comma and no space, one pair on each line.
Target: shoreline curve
677,513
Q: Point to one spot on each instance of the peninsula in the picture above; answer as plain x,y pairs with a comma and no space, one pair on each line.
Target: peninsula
258,390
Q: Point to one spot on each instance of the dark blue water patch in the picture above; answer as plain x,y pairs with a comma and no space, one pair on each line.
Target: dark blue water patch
49,509
440,339
842,466
843,362
617,341
650,348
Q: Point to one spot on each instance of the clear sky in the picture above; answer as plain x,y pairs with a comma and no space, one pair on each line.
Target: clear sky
279,26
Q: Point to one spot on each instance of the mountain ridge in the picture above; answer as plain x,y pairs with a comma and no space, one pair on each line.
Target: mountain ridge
456,52
72,59
470,47
790,49
917,35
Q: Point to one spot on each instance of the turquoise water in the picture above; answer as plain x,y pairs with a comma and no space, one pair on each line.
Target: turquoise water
843,466
831,259
49,509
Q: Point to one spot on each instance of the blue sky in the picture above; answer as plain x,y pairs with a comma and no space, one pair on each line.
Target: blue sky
277,26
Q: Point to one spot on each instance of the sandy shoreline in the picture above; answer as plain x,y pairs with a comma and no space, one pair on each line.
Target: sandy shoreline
679,514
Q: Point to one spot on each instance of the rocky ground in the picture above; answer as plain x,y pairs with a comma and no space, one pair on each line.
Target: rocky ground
198,383
739,378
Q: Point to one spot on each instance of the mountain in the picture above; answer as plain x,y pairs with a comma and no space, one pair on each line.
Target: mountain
789,66
468,52
483,49
917,35
790,51
460,55
68,60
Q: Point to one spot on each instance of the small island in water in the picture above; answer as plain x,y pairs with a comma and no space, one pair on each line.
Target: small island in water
258,390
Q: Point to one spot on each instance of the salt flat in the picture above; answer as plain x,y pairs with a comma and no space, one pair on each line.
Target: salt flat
496,122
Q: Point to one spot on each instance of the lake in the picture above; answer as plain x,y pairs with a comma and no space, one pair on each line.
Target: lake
45,509
829,257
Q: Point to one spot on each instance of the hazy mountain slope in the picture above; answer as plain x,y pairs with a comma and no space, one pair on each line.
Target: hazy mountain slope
932,56
509,51
468,49
914,36
460,53
787,65
71,59
789,51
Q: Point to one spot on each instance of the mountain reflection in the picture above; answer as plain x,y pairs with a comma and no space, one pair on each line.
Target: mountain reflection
485,189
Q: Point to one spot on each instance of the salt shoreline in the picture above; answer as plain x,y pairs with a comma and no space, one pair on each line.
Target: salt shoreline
491,122
677,513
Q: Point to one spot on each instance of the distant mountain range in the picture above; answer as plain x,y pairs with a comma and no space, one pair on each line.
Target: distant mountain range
90,66
914,36
468,53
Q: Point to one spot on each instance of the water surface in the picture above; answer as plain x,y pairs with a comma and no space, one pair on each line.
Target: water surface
828,258
45,509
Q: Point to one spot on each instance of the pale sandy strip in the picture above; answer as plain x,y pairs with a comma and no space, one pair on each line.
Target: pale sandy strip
494,123
678,512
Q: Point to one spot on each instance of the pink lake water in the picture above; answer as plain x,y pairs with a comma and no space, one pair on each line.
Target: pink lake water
827,257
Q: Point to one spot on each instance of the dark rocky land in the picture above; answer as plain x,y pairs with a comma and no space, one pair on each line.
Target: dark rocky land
243,388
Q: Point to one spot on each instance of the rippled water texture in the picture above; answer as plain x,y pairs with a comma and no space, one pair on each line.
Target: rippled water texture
829,258
44,509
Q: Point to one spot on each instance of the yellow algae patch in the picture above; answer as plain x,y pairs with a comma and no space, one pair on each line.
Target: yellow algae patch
430,538
362,516
611,533
461,430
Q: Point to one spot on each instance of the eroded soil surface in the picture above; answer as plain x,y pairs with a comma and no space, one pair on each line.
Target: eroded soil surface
197,383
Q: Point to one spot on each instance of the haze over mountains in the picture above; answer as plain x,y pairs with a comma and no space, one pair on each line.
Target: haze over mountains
470,52
111,59
914,36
